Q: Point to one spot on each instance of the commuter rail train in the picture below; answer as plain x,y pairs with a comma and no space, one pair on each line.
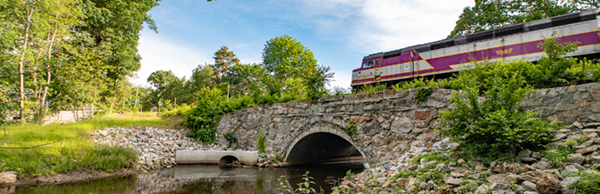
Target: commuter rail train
442,58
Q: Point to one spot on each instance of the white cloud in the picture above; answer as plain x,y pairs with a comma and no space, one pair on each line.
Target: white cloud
162,53
382,25
341,79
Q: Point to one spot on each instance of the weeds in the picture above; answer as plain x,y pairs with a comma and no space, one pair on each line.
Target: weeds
351,129
231,138
261,143
423,94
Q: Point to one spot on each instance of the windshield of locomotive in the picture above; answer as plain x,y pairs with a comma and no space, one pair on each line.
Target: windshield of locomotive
368,64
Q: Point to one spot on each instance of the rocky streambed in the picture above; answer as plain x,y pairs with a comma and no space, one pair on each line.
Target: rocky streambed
157,147
529,173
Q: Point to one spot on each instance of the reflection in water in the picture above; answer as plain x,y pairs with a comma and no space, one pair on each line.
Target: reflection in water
203,179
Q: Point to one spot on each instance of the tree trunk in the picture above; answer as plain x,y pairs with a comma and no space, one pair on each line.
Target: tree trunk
48,75
136,99
114,96
21,61
123,106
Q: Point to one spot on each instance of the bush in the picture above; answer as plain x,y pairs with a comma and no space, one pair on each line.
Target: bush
494,126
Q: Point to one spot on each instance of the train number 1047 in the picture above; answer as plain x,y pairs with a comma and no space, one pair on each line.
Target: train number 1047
504,51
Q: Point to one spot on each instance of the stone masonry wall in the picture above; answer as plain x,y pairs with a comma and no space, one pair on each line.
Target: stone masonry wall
566,104
389,123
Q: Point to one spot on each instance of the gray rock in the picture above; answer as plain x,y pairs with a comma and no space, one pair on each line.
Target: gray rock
482,189
529,186
528,160
530,192
525,153
564,185
402,125
591,125
454,181
499,186
578,125
536,155
475,176
542,165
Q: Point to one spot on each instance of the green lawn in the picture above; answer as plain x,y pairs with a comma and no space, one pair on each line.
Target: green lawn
73,153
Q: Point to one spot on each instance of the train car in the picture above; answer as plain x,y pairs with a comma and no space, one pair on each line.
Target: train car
442,58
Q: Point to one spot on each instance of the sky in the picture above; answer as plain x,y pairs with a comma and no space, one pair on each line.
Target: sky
339,32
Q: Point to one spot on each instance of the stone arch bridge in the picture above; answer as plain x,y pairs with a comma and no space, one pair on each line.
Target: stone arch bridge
388,123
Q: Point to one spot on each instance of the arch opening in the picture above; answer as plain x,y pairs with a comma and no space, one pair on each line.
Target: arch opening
323,147
226,160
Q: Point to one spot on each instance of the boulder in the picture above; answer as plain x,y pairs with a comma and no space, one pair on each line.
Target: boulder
543,165
532,176
549,184
529,186
402,182
499,187
482,189
8,177
454,181
564,185
525,153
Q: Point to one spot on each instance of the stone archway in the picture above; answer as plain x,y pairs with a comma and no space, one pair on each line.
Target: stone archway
321,144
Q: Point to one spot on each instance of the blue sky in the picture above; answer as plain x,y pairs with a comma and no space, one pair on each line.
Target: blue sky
339,32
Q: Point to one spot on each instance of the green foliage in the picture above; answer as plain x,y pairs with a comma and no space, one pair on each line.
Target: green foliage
285,57
439,156
487,15
277,158
560,153
372,88
590,183
231,138
493,126
423,94
349,174
303,187
454,83
261,143
351,129
553,66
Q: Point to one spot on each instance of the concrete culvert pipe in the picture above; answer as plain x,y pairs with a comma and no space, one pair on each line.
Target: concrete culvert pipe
215,157
227,160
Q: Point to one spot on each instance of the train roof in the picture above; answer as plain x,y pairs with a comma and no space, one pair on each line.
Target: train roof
499,32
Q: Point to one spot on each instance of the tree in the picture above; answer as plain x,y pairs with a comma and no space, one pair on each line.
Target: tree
286,58
245,79
223,60
492,14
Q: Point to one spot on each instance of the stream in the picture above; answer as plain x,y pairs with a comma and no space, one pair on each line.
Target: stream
206,179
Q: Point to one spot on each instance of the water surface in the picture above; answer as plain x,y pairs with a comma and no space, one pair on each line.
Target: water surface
204,179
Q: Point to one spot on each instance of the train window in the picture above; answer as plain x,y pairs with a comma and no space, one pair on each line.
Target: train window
369,64
377,63
364,64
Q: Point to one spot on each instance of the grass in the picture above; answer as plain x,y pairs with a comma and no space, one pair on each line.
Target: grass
76,152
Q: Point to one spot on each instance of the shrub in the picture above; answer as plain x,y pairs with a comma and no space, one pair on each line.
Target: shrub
494,126
423,94
560,154
261,143
351,129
